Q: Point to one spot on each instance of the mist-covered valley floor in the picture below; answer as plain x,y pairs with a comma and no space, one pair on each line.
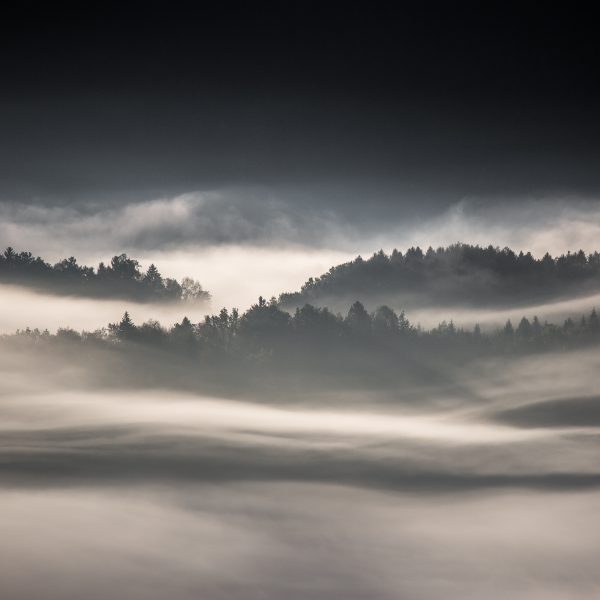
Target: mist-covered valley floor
478,481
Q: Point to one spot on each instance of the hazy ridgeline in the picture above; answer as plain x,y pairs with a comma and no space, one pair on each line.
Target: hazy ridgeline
458,275
266,347
122,278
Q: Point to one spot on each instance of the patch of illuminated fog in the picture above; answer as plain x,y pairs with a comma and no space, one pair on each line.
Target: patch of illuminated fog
532,379
234,275
226,417
153,495
491,318
21,308
238,275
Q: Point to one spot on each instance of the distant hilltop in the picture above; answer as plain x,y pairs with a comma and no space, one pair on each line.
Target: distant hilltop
460,274
121,278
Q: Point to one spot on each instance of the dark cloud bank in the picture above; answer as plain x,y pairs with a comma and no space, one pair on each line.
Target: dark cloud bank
395,111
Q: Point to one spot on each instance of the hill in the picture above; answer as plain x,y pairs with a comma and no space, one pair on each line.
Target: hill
121,278
459,274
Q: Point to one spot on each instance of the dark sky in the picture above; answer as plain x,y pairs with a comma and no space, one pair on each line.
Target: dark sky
363,107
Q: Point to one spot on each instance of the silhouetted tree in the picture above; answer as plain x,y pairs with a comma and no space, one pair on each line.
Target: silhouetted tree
153,278
191,290
524,328
385,321
358,319
124,330
183,335
125,268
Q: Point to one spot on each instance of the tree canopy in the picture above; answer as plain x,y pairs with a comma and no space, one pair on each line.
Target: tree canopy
121,278
460,274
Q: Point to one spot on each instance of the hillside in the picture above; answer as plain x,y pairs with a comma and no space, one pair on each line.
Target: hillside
459,274
121,278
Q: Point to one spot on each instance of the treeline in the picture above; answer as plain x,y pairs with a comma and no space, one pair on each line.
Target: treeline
369,348
121,278
458,274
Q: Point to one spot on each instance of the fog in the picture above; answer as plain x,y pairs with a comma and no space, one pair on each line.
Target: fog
294,219
301,541
234,275
555,312
22,307
242,243
429,492
351,449
268,263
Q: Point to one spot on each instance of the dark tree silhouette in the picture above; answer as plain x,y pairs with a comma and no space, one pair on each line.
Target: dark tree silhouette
459,274
122,278
266,343
358,319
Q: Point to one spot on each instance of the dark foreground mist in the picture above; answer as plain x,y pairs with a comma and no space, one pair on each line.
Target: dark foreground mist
480,482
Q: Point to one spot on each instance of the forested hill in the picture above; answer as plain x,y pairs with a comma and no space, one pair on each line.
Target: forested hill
267,347
460,274
121,278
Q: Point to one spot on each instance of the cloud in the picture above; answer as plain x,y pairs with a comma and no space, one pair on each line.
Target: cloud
277,240
196,218
147,494
255,217
554,224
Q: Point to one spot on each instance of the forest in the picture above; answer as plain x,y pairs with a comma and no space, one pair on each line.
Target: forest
266,344
121,278
460,274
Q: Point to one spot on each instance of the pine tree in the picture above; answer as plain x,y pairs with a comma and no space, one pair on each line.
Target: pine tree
126,327
153,278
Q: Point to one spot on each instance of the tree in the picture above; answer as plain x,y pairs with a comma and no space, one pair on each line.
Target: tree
183,335
358,319
9,255
191,291
69,267
67,334
316,325
385,321
264,325
125,329
153,279
524,329
151,332
124,267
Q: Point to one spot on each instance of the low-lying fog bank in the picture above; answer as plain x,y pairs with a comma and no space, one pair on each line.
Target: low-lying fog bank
296,540
478,489
21,308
